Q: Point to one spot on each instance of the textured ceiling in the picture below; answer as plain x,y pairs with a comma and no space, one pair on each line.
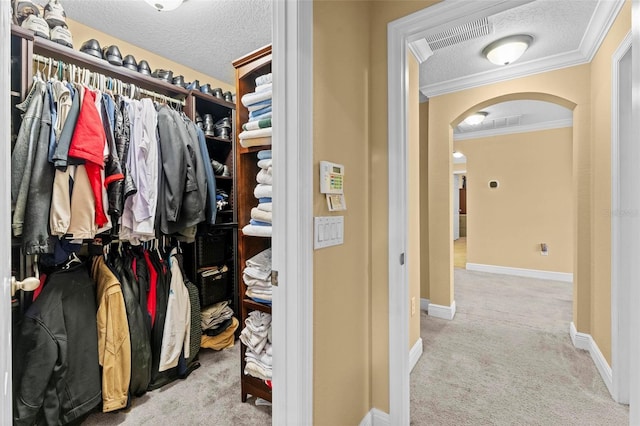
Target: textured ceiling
556,26
206,35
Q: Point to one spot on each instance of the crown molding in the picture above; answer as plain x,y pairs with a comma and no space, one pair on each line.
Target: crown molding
556,124
603,17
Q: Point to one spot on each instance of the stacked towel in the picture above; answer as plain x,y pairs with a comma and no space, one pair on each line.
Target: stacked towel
261,215
216,318
256,336
257,131
257,277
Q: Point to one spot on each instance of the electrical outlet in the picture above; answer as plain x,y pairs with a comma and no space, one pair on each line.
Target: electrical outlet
413,306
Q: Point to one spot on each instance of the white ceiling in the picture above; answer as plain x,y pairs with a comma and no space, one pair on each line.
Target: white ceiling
207,35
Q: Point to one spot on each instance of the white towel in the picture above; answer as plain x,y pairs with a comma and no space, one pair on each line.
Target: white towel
263,191
264,176
267,207
248,143
259,133
253,369
254,97
261,215
262,87
264,79
257,231
266,163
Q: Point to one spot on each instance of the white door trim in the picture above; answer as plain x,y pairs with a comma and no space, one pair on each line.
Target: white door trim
621,257
399,33
292,242
634,293
5,215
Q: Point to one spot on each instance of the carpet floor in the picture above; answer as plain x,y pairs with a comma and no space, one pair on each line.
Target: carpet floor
507,359
209,396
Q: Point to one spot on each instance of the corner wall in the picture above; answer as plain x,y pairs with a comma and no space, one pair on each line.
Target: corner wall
341,295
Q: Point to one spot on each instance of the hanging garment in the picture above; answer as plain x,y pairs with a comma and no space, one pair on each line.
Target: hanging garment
57,375
114,177
177,327
114,344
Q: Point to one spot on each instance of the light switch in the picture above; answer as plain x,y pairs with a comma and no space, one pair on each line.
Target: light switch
329,231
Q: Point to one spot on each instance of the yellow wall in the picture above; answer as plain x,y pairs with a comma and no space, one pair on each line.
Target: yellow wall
413,195
342,316
424,200
382,12
82,33
601,159
531,205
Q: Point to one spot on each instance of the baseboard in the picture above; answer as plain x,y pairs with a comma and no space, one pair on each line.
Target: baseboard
585,341
376,417
521,272
443,312
424,304
415,353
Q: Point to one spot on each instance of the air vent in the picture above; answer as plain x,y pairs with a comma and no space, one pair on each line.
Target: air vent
460,34
492,123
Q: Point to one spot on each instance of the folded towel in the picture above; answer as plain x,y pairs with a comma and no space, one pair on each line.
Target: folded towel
259,112
262,87
264,199
259,105
260,117
261,260
250,279
257,231
252,98
260,133
264,79
258,318
266,163
267,207
262,190
259,223
261,216
264,176
264,154
255,125
248,143
254,370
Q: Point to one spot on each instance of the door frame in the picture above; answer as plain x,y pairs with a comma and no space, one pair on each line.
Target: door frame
293,255
5,215
622,258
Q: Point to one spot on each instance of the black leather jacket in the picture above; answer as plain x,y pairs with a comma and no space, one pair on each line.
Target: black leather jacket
56,370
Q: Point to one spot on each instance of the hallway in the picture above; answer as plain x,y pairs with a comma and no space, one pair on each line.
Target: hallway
507,358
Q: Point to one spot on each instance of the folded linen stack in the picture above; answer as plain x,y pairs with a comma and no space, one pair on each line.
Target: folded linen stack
218,326
256,336
257,277
257,131
261,215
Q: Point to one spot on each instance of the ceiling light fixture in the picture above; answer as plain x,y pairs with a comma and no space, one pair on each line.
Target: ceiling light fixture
476,118
165,5
457,154
508,49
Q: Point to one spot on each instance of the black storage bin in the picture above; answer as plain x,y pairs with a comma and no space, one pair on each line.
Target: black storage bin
214,288
211,248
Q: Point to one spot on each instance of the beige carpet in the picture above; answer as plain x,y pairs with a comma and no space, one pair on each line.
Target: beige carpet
209,396
507,359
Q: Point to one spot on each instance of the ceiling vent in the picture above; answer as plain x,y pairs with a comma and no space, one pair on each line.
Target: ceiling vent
490,124
460,34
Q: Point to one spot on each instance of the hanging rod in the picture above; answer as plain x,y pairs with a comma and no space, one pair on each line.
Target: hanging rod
129,86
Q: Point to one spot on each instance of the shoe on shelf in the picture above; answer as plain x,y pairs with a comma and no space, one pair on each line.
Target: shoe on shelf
223,128
112,55
194,85
199,122
36,24
228,96
54,14
217,92
92,47
206,89
165,75
62,35
179,81
209,125
129,62
24,9
144,68
218,168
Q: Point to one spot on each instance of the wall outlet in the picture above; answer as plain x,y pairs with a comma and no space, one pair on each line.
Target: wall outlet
413,306
544,249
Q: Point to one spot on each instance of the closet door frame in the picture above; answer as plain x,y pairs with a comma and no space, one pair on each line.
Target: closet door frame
5,215
292,240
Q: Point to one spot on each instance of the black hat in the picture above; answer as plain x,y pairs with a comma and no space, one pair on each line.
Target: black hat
130,62
92,47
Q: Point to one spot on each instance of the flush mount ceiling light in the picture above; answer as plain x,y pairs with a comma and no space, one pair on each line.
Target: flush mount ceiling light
508,49
165,5
476,118
457,154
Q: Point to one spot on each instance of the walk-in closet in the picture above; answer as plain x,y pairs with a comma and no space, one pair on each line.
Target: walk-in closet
141,212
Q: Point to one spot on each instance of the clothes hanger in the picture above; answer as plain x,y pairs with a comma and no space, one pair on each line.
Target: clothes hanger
73,260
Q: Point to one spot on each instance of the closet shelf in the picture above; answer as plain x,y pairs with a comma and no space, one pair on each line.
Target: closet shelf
57,51
211,98
252,305
224,177
252,149
255,387
217,139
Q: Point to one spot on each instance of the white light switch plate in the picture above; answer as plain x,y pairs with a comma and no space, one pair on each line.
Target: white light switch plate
328,231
